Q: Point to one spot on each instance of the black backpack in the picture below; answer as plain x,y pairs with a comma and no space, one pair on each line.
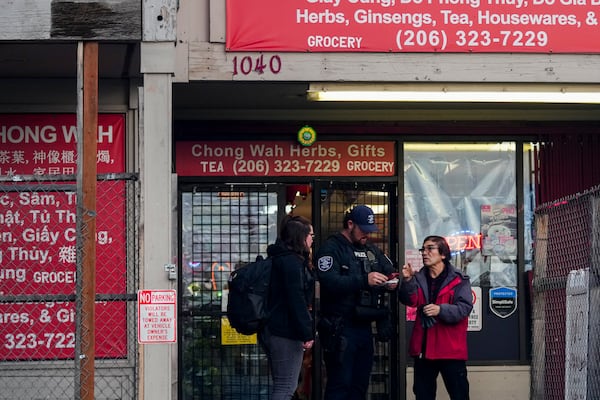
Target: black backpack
247,304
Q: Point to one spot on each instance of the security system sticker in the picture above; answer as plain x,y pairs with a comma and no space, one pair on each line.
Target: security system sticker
503,301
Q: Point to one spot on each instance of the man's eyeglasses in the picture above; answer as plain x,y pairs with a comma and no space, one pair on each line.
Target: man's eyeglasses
428,249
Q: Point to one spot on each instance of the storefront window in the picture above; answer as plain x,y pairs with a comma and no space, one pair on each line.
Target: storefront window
467,194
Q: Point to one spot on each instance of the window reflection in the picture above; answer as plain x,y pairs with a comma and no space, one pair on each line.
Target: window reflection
465,192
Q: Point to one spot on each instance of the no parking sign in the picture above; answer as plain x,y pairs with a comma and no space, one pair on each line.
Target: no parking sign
157,310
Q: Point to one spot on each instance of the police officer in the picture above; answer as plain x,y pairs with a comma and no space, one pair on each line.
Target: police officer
353,275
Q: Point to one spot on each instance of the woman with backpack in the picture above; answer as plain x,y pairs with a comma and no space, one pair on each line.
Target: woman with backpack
289,330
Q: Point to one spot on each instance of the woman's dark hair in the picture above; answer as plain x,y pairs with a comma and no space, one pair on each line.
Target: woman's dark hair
293,233
443,247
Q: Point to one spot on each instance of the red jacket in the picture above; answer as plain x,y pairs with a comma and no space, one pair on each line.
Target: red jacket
447,338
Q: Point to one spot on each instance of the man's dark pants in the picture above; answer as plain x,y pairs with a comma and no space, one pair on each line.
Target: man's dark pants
454,374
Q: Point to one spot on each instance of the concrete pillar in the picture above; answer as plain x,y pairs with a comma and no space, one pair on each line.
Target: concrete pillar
157,361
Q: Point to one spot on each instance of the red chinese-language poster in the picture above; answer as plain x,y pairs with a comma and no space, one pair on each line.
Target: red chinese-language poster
501,26
38,236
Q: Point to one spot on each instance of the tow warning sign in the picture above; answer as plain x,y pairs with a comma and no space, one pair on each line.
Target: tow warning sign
157,311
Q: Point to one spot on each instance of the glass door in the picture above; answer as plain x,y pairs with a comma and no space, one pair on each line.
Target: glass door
221,229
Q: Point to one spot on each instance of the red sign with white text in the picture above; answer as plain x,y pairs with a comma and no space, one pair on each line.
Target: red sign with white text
38,236
267,158
499,26
44,144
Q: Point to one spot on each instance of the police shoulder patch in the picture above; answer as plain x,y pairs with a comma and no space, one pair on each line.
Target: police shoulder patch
325,263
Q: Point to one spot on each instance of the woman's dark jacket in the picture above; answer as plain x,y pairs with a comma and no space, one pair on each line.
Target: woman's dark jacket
291,295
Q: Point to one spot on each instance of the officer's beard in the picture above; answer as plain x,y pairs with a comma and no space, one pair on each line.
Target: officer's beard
358,241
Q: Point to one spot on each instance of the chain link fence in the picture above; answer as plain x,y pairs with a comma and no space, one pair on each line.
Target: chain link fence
566,350
42,244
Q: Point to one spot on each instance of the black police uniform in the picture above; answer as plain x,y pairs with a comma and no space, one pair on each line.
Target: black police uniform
348,308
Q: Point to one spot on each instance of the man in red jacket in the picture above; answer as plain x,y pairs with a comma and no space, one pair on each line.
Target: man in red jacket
442,296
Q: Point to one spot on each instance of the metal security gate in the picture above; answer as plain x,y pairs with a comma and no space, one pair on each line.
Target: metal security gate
224,227
332,200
